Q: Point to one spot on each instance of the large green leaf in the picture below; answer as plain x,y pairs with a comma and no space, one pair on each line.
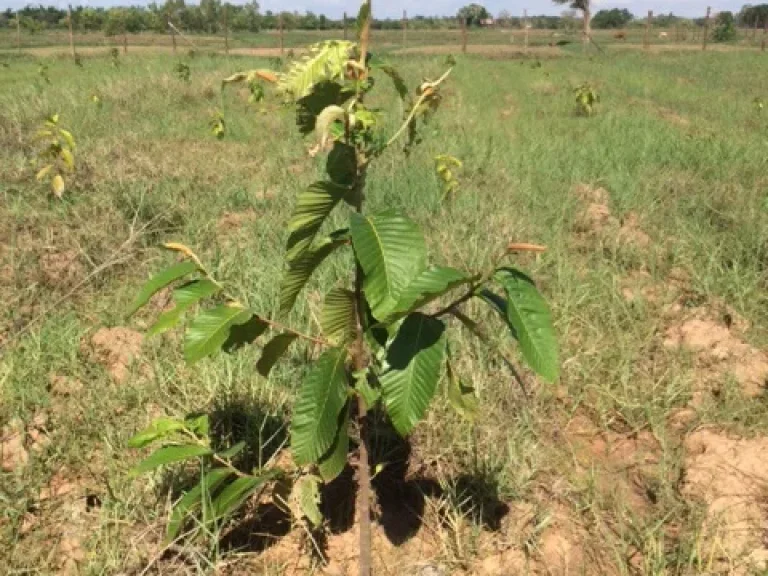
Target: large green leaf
193,499
185,297
341,164
427,286
529,315
312,207
245,333
210,330
461,397
415,360
333,462
306,492
391,251
160,281
338,319
272,352
236,492
315,415
301,269
169,455
159,428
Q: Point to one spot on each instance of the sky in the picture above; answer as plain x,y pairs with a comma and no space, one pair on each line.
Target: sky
394,8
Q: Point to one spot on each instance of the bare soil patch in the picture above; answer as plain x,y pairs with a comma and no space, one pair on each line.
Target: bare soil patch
115,349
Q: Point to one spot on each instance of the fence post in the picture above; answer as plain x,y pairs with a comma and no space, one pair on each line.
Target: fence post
226,28
344,25
525,33
71,35
125,42
18,30
646,36
463,24
172,32
405,27
754,31
282,41
706,29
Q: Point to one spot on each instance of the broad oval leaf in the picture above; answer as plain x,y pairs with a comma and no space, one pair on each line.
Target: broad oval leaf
193,499
245,333
528,313
169,455
210,330
338,319
334,461
306,496
160,281
185,297
313,206
415,360
58,186
301,269
391,250
321,398
427,286
272,352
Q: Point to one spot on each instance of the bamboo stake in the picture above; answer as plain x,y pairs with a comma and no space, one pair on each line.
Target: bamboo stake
706,29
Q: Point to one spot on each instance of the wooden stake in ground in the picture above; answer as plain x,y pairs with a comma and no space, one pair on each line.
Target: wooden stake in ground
71,35
405,28
226,29
125,42
706,29
525,33
463,25
344,25
172,32
18,31
647,35
754,31
280,27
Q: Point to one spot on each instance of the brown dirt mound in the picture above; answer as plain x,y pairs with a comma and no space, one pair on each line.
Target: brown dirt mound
719,352
115,349
17,439
730,475
597,220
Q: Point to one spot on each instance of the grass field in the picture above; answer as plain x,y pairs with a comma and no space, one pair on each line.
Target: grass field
648,456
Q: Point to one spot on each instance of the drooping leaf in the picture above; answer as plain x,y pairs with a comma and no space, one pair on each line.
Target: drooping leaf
363,16
68,138
315,415
392,252
328,116
341,164
192,500
236,492
301,269
313,206
242,334
58,186
160,281
528,313
209,330
306,495
321,96
68,158
338,319
429,285
415,360
333,462
499,305
169,455
159,428
185,297
198,424
461,397
232,451
272,352
44,171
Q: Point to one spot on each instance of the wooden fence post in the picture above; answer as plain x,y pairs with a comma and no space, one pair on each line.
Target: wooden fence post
706,29
125,42
282,41
646,36
226,29
754,31
525,34
344,25
173,36
71,35
18,30
463,24
405,27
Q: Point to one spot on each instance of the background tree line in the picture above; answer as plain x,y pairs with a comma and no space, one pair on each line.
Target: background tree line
208,17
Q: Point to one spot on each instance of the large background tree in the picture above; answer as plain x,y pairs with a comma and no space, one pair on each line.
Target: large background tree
614,18
474,14
586,11
750,16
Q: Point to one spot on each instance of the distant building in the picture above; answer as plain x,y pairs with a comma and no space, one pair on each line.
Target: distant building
486,22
